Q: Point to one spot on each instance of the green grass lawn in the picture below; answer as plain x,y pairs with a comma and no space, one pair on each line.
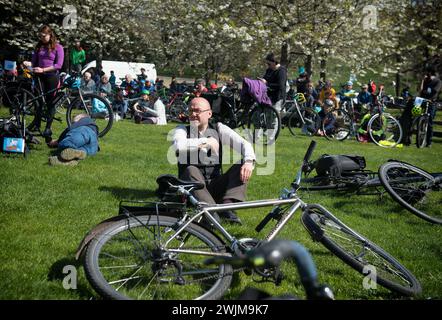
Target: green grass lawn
46,211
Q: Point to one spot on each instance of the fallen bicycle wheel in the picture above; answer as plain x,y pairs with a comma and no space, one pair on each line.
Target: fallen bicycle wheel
414,189
358,252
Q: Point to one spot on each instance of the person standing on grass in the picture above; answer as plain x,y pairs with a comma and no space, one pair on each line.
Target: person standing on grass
47,60
275,78
78,57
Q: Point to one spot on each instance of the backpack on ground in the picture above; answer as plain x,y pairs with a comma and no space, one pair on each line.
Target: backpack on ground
335,166
11,138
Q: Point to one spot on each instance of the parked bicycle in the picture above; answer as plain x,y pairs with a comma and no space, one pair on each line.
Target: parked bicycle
421,112
263,122
158,251
97,107
298,117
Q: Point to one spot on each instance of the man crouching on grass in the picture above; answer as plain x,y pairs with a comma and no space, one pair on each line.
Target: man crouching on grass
199,150
75,142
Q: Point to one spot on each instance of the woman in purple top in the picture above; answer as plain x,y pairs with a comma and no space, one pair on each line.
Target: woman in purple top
47,61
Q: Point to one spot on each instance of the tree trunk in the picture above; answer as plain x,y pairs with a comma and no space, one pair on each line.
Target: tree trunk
99,66
322,66
398,77
285,54
308,65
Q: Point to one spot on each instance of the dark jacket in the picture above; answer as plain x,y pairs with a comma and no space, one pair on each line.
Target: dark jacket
431,88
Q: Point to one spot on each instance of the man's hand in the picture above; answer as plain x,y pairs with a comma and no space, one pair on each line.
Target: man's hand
263,80
246,171
211,144
53,144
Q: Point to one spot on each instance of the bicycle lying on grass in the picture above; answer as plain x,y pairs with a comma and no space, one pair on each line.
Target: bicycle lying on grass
158,251
413,188
271,255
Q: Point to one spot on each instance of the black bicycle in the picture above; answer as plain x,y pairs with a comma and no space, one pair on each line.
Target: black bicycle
97,107
413,188
421,122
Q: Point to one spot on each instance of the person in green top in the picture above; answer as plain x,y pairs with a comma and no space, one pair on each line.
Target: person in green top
78,57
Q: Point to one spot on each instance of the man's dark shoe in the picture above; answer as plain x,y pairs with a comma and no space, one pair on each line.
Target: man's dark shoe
229,216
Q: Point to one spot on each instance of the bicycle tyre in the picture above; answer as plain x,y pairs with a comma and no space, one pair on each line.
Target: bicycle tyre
294,121
261,123
421,131
390,127
84,104
337,237
410,186
108,244
342,127
20,100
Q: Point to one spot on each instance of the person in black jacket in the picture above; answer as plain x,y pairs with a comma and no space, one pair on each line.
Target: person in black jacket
275,78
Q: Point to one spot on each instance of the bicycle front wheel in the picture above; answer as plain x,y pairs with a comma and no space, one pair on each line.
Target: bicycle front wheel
358,252
98,108
414,189
337,125
384,130
129,260
421,132
264,125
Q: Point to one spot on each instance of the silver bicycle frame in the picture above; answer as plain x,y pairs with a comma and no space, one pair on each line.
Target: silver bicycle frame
295,201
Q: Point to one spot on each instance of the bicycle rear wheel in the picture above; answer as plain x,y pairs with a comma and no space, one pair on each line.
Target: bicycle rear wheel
129,260
384,130
358,252
98,108
294,122
414,189
421,132
264,124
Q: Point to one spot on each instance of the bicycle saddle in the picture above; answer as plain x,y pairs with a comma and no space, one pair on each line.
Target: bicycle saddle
165,181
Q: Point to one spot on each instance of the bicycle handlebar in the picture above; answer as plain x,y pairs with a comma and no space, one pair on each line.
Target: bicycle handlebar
305,164
271,254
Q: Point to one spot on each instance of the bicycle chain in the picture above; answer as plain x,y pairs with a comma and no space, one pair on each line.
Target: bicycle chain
216,276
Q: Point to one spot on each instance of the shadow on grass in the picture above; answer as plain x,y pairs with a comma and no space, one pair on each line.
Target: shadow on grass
56,273
128,193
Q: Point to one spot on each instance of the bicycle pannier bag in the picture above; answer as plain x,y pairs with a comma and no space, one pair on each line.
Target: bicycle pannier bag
337,165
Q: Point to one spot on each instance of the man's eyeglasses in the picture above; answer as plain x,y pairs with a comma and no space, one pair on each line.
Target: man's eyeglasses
197,112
